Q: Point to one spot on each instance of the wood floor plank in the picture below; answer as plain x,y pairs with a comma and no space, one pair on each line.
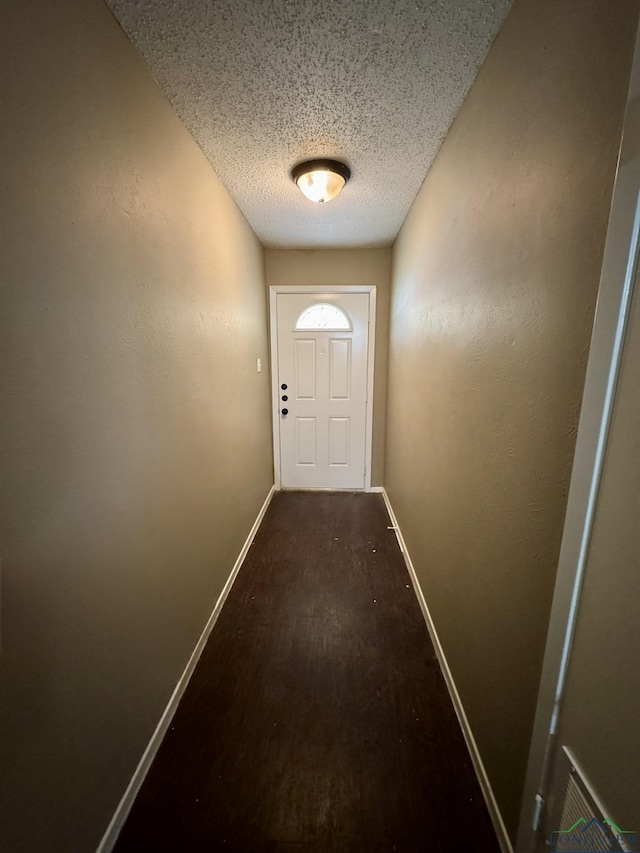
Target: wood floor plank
317,717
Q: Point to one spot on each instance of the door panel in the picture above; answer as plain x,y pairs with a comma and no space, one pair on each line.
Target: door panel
322,435
338,441
305,358
339,369
305,441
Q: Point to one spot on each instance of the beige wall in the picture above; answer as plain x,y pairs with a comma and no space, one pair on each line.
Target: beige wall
606,738
599,719
135,432
494,283
599,710
599,725
347,266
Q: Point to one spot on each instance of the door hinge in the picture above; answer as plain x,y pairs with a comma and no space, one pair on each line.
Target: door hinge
537,813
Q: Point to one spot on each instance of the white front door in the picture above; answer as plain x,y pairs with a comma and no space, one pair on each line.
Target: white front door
322,344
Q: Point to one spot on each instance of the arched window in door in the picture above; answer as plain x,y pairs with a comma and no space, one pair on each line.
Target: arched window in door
323,317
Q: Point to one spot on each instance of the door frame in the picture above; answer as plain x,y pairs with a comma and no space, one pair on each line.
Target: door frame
274,290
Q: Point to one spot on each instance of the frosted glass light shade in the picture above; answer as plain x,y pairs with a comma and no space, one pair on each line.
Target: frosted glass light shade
320,185
321,180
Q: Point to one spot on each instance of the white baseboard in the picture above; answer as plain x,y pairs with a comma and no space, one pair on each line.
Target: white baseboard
494,811
376,489
124,807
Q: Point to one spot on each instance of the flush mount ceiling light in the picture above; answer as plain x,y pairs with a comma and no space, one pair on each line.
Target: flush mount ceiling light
321,180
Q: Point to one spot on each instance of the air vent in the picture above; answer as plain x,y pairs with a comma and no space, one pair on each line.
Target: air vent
580,815
584,825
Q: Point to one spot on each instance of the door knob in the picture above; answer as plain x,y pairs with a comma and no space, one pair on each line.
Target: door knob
284,398
284,386
285,411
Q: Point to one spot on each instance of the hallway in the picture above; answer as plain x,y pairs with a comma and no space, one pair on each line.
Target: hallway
317,717
138,259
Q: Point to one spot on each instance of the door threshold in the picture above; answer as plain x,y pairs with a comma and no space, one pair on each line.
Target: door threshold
317,489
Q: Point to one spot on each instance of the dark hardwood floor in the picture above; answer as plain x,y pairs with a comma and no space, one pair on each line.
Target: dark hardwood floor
317,718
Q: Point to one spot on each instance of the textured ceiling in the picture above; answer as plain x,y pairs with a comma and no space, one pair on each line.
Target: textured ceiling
263,84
